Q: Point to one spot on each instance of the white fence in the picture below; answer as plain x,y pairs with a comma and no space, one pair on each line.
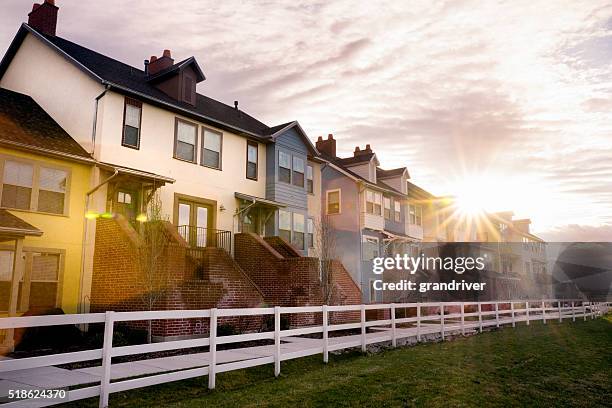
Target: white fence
426,319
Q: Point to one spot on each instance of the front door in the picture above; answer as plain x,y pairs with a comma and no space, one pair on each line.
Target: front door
195,223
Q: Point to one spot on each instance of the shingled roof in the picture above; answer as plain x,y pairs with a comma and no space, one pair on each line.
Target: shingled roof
11,224
24,124
129,80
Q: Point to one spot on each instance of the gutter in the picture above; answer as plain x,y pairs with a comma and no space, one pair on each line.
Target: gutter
95,120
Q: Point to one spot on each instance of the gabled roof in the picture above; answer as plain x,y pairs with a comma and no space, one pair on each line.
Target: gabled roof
24,124
178,67
383,174
353,160
132,81
420,192
276,131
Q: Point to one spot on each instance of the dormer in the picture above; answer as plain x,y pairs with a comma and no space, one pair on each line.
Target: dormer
364,163
179,80
395,178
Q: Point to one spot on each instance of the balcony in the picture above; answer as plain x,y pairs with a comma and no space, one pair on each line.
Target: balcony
199,237
372,221
414,231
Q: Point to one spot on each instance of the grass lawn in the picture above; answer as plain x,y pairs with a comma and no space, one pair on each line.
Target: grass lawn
568,364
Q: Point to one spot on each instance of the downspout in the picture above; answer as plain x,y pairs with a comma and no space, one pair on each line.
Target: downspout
95,120
360,189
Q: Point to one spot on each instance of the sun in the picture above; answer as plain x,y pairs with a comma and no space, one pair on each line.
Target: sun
469,204
476,195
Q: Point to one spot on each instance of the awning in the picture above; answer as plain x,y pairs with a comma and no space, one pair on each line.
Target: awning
139,173
12,227
259,200
398,236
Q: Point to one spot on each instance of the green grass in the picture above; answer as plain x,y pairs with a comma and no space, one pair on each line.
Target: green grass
568,364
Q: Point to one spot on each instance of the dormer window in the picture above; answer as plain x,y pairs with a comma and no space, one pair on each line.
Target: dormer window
187,89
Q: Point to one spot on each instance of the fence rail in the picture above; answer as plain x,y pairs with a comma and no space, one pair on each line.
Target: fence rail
432,318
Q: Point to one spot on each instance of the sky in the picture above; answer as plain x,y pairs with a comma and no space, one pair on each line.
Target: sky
510,101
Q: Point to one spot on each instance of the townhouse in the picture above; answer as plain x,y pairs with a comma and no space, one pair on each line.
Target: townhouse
218,172
44,178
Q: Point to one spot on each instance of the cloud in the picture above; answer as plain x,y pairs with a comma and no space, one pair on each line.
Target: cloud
579,233
519,91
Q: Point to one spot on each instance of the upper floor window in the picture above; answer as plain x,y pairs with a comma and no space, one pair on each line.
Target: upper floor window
284,167
299,229
211,148
373,202
298,171
333,202
387,205
309,179
416,214
251,167
185,140
132,115
33,187
398,211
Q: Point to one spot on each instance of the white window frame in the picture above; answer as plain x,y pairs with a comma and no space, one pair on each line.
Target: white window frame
397,211
327,193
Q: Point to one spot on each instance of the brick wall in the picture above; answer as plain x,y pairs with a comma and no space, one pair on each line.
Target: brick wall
294,281
119,285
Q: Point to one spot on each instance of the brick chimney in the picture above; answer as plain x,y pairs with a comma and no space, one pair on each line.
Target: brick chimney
158,64
43,17
328,146
358,152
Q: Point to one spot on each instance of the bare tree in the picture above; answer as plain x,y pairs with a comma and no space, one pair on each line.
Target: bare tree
325,239
151,251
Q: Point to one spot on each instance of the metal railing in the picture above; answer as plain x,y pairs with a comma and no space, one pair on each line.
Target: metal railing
429,319
199,237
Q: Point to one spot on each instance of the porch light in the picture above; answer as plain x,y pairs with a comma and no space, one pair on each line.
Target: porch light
91,215
142,218
106,215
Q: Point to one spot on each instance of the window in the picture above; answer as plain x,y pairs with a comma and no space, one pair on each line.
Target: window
387,205
373,202
309,179
369,248
310,230
124,198
44,281
252,156
298,171
132,115
333,202
298,230
415,215
284,225
17,185
398,211
52,190
6,276
186,139
211,148
284,167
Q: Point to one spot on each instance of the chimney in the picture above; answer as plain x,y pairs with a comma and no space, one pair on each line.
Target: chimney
328,146
43,17
146,66
359,152
236,105
158,64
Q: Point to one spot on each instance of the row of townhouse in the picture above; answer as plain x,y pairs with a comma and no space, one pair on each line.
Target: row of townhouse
87,143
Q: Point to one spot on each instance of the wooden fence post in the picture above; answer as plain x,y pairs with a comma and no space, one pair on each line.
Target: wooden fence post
107,353
543,312
277,342
584,314
212,338
480,316
512,309
393,334
497,314
442,320
418,322
527,311
463,318
363,329
325,335
559,307
573,312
